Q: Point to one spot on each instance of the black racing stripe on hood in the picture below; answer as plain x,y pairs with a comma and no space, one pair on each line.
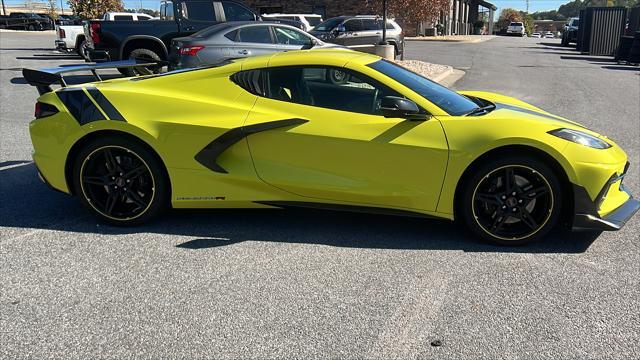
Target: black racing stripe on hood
533,112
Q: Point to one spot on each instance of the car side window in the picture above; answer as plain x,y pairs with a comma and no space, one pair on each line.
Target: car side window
198,10
353,25
371,24
122,17
237,12
327,87
286,36
254,34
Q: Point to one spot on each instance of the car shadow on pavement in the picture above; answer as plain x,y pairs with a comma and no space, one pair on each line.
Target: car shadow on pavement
622,67
27,203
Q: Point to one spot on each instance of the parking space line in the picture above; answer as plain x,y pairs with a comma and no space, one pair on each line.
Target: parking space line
11,166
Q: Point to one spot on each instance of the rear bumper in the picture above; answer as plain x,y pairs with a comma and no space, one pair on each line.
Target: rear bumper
100,55
587,212
61,45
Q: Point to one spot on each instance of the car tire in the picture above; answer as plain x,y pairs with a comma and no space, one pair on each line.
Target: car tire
514,212
141,54
81,48
120,181
31,28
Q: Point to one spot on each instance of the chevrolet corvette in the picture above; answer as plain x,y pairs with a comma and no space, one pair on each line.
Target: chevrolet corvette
329,129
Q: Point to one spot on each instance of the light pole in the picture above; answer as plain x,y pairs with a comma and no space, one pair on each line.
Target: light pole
61,8
384,23
4,11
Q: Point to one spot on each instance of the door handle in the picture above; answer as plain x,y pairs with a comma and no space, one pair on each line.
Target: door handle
244,52
189,28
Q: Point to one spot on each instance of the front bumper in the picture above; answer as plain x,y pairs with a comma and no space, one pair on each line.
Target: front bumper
587,212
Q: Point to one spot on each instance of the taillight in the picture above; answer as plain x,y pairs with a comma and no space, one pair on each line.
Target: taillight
44,110
61,33
94,30
190,50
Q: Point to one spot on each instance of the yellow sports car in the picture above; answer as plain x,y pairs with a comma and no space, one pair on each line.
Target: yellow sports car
328,129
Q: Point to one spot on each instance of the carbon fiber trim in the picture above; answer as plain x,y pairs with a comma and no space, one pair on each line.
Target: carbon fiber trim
106,106
80,105
209,155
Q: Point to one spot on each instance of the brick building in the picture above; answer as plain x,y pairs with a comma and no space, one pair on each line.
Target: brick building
459,18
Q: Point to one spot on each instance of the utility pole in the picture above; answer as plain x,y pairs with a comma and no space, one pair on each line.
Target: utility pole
4,11
61,8
527,6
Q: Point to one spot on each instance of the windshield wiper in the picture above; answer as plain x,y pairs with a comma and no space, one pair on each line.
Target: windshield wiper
481,110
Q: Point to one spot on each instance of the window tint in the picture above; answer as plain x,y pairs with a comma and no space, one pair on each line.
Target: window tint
122,17
169,11
254,34
232,35
286,36
390,26
313,20
142,18
329,25
353,25
327,87
237,12
371,24
198,10
448,100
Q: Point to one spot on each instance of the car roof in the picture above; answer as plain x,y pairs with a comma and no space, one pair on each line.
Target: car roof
233,25
335,57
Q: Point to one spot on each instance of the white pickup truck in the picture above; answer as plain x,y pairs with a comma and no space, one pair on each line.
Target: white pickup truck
71,38
516,28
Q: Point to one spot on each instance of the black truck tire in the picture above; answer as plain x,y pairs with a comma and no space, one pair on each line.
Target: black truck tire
141,53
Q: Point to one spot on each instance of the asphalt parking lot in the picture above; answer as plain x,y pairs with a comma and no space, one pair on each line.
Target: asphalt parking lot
265,284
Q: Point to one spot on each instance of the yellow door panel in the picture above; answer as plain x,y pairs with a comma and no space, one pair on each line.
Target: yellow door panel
350,157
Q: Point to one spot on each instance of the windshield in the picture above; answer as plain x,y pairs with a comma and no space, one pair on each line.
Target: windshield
313,20
329,24
515,24
448,100
575,22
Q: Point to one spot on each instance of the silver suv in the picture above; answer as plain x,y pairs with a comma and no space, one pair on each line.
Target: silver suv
359,31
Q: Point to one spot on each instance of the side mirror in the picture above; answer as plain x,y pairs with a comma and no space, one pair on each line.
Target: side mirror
397,107
341,29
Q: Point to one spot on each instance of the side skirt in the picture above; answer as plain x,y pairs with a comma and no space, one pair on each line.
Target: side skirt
347,208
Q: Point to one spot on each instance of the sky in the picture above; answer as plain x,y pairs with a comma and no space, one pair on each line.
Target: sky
534,5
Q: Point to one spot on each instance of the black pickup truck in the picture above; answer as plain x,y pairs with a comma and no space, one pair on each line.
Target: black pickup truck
119,40
25,21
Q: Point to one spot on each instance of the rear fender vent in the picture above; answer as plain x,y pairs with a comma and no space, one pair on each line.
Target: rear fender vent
250,80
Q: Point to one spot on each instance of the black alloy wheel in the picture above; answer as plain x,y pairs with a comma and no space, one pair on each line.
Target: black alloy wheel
120,182
513,202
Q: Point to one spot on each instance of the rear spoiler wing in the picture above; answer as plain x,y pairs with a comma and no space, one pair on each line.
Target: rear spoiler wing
42,79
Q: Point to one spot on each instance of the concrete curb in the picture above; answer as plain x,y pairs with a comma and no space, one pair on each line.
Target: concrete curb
443,75
452,78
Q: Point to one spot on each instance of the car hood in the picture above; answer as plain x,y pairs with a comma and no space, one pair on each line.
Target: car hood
509,107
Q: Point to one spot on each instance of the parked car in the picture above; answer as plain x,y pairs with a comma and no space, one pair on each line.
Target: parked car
237,39
309,20
25,21
357,31
119,16
549,35
273,132
71,38
536,35
116,40
516,28
570,34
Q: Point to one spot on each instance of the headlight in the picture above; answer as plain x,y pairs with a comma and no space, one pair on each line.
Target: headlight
581,138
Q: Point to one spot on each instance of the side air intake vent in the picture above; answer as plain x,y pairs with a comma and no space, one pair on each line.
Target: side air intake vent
250,80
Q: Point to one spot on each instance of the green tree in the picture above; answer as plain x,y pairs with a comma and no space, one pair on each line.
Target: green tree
507,16
51,9
92,9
